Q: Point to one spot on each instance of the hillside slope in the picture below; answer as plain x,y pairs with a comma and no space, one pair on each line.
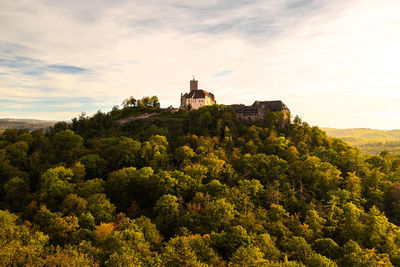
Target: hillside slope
370,141
29,124
194,188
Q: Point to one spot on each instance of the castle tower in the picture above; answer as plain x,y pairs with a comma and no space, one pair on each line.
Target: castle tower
193,85
196,98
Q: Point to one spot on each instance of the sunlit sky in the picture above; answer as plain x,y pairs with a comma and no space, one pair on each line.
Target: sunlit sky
335,63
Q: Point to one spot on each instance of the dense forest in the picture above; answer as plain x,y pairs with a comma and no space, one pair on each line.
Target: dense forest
194,188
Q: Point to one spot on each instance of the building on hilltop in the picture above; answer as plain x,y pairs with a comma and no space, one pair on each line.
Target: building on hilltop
196,98
259,109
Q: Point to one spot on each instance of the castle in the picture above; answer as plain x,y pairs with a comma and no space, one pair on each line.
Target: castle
259,109
196,98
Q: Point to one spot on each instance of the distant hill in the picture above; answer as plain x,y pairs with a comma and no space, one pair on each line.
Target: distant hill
24,124
370,141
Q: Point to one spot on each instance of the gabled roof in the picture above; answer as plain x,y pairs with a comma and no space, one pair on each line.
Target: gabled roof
242,108
198,94
272,106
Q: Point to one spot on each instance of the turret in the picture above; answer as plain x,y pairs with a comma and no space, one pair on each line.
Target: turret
193,85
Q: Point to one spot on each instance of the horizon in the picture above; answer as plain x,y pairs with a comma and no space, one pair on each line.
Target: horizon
333,63
321,127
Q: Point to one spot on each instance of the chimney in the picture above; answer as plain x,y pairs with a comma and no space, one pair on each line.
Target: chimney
193,85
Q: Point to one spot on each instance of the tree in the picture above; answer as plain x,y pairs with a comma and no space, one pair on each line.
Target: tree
298,249
316,260
129,184
16,193
90,187
103,230
315,222
167,211
20,245
100,207
94,165
320,177
184,154
17,153
129,102
154,102
73,205
218,215
248,256
67,145
179,253
154,152
265,168
228,242
267,246
55,186
379,232
63,230
327,247
149,231
119,152
351,227
356,256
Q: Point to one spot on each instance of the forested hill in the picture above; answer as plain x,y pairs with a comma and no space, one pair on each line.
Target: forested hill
194,188
24,124
370,141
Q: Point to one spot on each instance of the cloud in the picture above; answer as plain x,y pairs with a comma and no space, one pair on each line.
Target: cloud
66,69
33,67
319,57
222,73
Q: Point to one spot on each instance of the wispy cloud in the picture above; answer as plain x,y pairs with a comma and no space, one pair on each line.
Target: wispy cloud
221,73
320,57
66,69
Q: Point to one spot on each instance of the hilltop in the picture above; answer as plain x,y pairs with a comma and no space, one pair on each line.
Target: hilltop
194,188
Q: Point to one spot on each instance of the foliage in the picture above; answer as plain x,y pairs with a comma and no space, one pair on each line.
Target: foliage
194,188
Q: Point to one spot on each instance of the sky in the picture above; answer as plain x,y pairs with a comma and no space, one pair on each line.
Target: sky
335,63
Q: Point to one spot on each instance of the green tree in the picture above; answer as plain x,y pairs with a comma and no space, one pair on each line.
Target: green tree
167,211
228,242
297,248
63,230
19,244
55,185
316,260
184,154
119,152
265,168
73,205
100,207
95,166
16,193
90,187
219,215
248,256
67,145
327,247
154,152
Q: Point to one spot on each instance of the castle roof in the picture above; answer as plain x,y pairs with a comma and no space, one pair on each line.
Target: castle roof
198,94
273,106
242,108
